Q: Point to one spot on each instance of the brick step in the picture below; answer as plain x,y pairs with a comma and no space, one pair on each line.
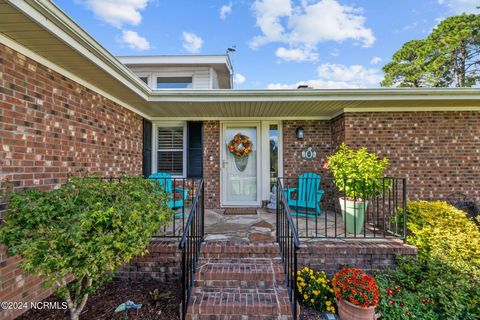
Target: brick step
239,249
229,303
240,273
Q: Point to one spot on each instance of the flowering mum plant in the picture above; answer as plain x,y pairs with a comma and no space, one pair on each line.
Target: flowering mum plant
356,287
315,290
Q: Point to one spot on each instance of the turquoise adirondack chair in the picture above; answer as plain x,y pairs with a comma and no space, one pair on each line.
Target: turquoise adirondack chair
165,180
308,194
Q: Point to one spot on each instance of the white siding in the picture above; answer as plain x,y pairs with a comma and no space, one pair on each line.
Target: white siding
215,84
200,76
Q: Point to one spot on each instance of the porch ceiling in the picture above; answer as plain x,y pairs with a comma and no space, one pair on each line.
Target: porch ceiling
318,104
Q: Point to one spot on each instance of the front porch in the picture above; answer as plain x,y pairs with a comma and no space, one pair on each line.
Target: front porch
306,227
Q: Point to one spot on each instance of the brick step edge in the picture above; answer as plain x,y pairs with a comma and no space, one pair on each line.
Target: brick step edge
234,247
225,303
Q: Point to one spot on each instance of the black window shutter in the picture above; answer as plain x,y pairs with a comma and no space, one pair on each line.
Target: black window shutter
194,149
147,148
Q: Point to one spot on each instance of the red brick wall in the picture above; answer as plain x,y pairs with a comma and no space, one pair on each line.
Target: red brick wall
317,135
51,126
211,163
331,255
162,263
439,152
17,286
337,125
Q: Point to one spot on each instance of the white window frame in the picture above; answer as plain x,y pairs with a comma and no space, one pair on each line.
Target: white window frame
155,75
266,155
165,124
147,75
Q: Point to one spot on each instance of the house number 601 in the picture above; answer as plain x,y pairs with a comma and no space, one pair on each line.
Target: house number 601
309,154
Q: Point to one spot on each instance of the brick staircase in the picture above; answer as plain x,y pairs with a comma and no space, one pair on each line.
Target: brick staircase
239,280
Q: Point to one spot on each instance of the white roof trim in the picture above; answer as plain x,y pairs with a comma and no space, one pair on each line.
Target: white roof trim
177,59
52,18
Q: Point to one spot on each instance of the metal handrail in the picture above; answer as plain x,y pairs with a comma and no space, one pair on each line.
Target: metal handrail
190,246
289,244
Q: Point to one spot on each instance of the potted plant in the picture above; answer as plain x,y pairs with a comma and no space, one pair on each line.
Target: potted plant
356,293
358,175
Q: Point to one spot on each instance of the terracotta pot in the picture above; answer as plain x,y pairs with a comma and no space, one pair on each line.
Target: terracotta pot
349,311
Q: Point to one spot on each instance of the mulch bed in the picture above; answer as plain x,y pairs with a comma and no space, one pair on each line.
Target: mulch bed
102,305
309,314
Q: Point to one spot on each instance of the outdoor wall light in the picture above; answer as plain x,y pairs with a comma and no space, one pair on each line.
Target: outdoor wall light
300,133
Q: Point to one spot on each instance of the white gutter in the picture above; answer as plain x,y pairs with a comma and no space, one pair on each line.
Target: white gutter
380,94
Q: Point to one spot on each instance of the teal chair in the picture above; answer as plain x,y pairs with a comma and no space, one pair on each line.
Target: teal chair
165,180
308,194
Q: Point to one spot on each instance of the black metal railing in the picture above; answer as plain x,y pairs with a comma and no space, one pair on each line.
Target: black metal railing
289,243
189,246
180,193
373,209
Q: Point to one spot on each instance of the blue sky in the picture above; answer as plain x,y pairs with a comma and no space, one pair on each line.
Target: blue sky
280,43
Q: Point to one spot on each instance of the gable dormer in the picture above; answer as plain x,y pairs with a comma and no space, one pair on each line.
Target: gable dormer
200,72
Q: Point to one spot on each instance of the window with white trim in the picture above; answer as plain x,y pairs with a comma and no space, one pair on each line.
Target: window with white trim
174,82
171,150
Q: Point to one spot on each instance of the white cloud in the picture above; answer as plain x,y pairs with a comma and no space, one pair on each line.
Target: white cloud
338,76
225,10
134,40
296,54
117,12
460,6
355,74
238,78
335,53
306,25
268,14
191,42
376,60
315,84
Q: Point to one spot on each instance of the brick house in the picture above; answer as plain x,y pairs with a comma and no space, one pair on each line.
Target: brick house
67,104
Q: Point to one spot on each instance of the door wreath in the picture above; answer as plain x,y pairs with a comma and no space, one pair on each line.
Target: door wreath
240,146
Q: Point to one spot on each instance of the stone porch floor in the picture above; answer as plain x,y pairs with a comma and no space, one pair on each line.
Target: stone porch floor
262,226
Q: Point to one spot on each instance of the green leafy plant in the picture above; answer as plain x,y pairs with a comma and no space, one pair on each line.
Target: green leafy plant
76,236
314,290
427,289
357,173
440,231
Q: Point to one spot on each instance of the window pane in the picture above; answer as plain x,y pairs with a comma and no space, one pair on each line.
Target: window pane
170,138
170,150
170,162
273,137
144,79
174,82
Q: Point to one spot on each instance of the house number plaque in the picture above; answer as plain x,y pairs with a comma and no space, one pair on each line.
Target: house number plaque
309,154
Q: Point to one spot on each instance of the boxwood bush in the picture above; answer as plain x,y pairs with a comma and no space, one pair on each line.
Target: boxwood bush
440,231
444,281
78,235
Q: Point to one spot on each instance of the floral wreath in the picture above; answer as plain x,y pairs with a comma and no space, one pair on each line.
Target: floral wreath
240,145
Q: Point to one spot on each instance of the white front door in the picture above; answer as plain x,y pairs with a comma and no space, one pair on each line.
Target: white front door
241,175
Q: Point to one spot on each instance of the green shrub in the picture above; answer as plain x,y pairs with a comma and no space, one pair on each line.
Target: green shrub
85,229
357,172
440,231
427,289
